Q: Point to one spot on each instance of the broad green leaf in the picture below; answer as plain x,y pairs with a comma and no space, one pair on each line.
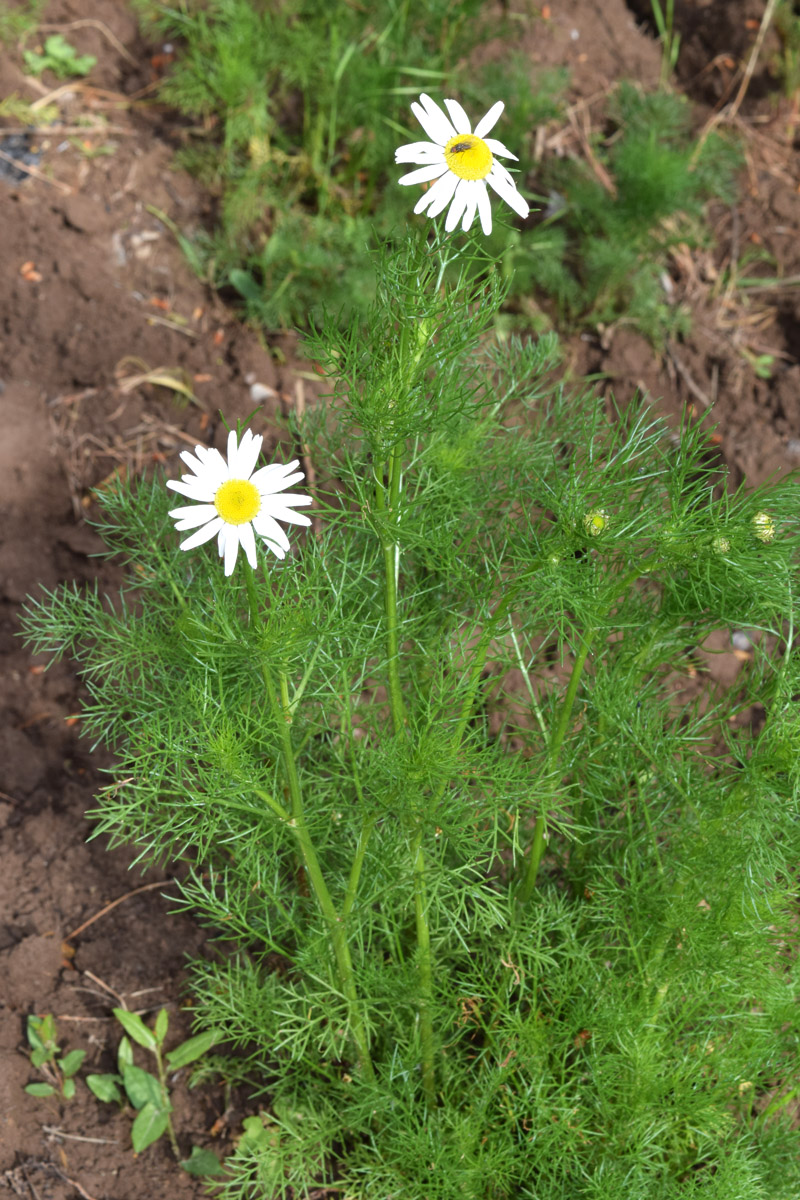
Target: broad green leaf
135,1026
71,1062
105,1087
192,1049
202,1162
258,1135
68,1089
42,1032
161,1026
142,1088
42,1055
124,1054
32,1030
245,284
40,1089
148,1127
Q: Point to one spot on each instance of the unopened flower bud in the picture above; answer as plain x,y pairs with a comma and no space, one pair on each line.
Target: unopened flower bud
763,527
596,522
720,545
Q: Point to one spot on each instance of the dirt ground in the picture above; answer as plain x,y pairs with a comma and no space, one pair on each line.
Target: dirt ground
95,293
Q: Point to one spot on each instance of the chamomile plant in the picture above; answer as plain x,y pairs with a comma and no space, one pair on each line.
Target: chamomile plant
502,871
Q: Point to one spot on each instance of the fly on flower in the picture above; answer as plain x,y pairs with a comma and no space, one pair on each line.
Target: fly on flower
462,162
234,502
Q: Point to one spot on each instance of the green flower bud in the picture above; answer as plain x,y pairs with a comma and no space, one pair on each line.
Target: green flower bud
720,545
596,522
763,527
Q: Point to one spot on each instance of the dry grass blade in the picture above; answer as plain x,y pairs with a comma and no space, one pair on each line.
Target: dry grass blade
173,378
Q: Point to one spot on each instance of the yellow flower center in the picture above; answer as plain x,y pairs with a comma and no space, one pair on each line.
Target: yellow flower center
468,156
237,501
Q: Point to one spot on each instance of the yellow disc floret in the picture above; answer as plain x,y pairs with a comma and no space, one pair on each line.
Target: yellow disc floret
237,501
468,156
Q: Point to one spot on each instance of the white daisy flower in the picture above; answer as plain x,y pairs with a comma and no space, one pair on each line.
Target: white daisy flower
234,503
462,162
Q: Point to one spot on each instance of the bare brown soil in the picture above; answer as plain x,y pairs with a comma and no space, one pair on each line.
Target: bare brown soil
96,291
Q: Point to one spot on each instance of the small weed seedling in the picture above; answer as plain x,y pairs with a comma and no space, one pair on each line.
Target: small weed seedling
670,40
148,1092
59,1070
59,57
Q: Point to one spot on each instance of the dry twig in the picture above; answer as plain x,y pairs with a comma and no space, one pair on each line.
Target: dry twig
36,174
147,887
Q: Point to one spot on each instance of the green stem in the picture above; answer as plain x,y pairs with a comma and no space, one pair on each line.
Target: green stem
368,823
334,922
539,838
425,969
252,594
162,1079
297,823
390,549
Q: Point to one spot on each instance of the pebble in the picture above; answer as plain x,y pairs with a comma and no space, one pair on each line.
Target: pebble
260,391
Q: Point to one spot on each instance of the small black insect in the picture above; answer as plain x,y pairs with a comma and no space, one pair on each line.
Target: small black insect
460,147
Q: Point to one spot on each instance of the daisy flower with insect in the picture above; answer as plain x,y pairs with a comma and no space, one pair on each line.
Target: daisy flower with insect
461,161
234,502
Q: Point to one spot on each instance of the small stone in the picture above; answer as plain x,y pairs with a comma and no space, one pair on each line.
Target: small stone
260,392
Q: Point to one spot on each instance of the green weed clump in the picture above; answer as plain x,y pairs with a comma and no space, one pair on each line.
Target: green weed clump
18,19
504,885
602,246
297,156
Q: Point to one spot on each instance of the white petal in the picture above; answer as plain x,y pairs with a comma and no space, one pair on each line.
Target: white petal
446,193
498,148
456,209
499,171
223,534
509,194
278,551
211,458
485,210
472,203
247,456
196,489
419,152
433,120
269,529
194,464
280,513
248,540
203,535
424,174
207,460
276,477
458,116
192,515
490,120
287,500
233,453
445,186
232,534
